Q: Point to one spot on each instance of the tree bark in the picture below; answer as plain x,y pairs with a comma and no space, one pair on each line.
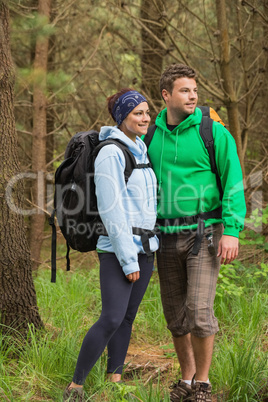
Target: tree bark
18,304
151,14
39,138
227,79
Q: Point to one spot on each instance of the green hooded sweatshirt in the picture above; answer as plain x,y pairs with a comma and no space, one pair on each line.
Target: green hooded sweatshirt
186,183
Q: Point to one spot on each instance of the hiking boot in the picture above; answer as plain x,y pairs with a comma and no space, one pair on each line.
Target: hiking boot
73,395
202,392
181,392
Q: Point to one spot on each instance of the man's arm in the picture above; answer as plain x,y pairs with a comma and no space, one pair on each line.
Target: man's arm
233,201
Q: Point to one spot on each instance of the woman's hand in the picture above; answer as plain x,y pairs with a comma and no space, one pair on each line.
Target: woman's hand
134,276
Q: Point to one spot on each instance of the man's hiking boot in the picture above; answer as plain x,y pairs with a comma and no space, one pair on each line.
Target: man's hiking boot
202,392
181,392
73,395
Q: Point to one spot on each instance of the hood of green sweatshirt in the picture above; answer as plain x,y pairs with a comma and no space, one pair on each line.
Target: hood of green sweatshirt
161,122
191,120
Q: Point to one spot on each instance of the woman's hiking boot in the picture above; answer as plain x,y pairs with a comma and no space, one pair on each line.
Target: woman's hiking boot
181,392
73,394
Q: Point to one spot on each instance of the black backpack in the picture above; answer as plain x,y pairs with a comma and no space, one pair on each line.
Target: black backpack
75,203
205,132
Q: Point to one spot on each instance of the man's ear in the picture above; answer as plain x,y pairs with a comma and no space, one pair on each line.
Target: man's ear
164,94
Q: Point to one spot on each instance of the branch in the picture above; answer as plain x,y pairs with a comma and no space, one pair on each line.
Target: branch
157,372
38,207
258,165
62,14
255,61
83,67
256,83
57,128
201,79
14,6
255,10
55,159
24,132
196,16
211,44
142,25
187,38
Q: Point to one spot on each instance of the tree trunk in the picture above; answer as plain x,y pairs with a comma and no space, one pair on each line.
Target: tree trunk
152,55
39,138
50,115
227,77
18,305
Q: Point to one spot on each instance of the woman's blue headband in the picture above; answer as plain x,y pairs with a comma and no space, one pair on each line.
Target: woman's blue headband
125,104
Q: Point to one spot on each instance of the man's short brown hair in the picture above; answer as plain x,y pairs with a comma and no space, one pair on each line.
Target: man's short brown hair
172,73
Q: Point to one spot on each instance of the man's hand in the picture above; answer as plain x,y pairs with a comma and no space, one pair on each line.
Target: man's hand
228,249
134,276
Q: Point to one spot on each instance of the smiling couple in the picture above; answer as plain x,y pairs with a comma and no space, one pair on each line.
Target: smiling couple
180,163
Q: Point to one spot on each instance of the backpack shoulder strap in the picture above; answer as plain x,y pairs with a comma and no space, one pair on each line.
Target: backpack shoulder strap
205,131
148,137
53,246
129,157
130,160
205,110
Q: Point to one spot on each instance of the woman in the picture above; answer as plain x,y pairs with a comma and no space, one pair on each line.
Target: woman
125,269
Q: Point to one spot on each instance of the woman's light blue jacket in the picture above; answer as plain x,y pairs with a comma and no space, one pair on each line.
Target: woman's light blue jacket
122,206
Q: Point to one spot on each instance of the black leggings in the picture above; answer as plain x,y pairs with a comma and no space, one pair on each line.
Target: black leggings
120,303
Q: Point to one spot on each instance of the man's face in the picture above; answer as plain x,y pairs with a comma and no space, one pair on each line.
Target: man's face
183,99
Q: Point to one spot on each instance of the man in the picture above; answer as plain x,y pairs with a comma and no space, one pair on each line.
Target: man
199,230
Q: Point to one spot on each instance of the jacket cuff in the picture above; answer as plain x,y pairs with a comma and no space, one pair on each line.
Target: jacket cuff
231,231
130,268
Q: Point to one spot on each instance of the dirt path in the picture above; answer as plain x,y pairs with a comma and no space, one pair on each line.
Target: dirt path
149,361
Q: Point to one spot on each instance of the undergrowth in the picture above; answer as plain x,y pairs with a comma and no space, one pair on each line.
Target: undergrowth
38,368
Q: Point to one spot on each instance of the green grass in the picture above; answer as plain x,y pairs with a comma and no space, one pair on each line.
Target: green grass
240,360
39,369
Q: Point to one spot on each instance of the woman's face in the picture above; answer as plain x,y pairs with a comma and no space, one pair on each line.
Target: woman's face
137,121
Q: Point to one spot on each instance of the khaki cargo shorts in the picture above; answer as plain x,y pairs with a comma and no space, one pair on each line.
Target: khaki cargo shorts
188,282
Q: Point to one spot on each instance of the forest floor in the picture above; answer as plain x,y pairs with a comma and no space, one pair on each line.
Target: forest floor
148,361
